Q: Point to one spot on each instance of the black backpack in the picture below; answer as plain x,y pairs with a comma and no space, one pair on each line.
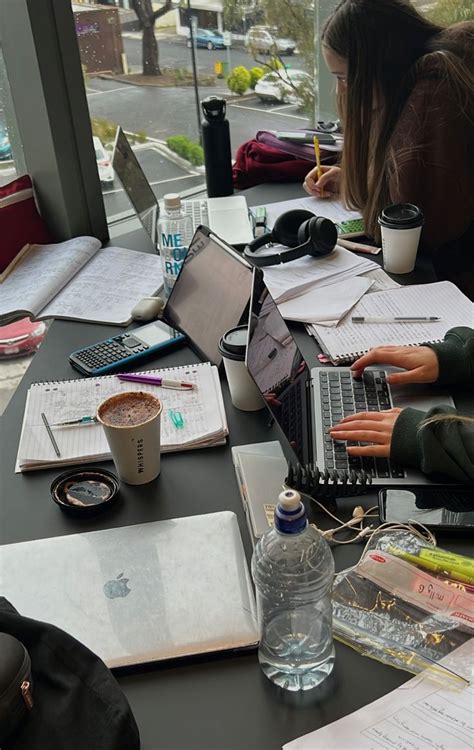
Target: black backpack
77,702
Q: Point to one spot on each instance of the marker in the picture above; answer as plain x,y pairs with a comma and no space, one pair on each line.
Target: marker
179,385
82,420
408,319
445,569
50,434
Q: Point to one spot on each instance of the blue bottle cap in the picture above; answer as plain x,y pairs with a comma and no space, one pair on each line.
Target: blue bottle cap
290,513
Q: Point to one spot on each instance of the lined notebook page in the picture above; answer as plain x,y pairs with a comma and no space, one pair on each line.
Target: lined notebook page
202,409
442,299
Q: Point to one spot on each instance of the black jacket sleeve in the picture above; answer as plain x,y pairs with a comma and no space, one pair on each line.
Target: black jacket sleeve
446,446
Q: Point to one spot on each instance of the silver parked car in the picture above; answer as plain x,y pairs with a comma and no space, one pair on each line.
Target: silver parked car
265,40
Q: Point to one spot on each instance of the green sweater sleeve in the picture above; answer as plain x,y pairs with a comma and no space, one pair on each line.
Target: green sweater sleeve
456,357
446,447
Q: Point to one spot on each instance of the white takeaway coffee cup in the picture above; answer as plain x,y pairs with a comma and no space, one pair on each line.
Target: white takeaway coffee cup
400,225
132,425
243,391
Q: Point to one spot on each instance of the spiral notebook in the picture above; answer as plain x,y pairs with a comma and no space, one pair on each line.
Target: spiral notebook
348,340
202,410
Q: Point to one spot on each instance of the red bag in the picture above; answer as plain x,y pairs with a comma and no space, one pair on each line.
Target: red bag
20,222
267,159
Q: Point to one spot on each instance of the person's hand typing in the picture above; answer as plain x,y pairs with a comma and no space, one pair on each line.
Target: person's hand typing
420,363
327,185
375,427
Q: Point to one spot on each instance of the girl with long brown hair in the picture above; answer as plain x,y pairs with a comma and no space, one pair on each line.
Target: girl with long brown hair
405,96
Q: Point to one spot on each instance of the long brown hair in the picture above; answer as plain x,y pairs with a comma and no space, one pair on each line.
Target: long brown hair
384,43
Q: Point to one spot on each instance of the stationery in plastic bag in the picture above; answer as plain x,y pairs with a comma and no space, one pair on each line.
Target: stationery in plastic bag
403,614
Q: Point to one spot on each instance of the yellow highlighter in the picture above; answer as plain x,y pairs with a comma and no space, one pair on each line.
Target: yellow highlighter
453,564
448,569
317,154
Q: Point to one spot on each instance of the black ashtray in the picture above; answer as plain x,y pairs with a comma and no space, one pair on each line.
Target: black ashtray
85,492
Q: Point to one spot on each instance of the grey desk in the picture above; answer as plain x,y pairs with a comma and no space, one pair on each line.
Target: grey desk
218,702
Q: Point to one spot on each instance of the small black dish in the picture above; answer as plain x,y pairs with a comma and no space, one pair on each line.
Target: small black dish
85,492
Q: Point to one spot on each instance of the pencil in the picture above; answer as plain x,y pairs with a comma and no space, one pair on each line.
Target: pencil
317,154
51,436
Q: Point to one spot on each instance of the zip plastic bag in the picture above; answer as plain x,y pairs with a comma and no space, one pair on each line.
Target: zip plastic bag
399,613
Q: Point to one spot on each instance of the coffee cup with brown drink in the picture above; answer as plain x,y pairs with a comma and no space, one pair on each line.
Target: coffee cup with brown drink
132,426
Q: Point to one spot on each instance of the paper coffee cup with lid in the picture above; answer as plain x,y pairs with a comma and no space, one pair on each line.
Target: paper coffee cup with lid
243,391
401,225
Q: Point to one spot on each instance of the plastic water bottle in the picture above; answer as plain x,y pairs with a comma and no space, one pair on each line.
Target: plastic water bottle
175,231
293,570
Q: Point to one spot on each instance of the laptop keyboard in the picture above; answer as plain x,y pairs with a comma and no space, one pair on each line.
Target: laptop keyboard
198,210
342,395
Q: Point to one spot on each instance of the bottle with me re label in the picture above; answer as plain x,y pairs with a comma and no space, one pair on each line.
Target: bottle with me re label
175,232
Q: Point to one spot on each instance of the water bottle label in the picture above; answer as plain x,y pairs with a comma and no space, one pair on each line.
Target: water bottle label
174,259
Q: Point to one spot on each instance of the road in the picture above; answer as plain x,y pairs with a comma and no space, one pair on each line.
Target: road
174,53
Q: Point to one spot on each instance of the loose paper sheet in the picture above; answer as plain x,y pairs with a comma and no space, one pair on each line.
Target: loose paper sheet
419,715
326,305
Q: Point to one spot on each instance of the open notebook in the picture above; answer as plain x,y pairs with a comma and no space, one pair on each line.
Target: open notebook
202,409
349,340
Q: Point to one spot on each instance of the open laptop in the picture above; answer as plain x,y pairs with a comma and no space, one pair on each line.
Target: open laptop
228,217
139,593
305,403
210,295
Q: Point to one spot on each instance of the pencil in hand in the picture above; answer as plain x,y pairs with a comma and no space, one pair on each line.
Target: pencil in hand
317,154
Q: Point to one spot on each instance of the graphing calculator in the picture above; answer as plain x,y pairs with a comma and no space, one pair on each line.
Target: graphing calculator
126,349
351,228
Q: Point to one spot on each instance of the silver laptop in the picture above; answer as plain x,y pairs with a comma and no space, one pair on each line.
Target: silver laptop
139,593
306,403
228,217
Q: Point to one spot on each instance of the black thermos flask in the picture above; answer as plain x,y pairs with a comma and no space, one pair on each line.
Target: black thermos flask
216,145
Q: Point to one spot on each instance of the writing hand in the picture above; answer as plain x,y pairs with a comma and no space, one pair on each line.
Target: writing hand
374,427
420,363
326,186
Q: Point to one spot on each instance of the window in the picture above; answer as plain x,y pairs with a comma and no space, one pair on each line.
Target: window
11,151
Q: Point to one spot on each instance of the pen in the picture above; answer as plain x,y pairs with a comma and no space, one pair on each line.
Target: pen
82,420
401,319
180,385
51,436
317,154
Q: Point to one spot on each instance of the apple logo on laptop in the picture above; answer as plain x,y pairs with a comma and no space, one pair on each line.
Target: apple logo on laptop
117,587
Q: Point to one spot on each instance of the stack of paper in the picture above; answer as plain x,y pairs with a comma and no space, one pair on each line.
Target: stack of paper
290,280
202,410
441,299
330,208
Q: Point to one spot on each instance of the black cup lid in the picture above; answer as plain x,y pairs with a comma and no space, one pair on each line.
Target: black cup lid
401,216
86,491
234,343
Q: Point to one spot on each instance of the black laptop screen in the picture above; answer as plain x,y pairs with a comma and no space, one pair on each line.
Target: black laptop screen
135,184
279,370
210,295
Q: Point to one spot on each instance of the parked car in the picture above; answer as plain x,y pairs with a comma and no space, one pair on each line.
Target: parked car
106,172
22,337
208,39
5,145
286,86
265,40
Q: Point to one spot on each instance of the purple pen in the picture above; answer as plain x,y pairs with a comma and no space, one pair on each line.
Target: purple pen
154,380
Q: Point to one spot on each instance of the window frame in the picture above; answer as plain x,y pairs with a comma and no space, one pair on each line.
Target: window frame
49,99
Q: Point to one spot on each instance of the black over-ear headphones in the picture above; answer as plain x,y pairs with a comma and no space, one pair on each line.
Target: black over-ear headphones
302,231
